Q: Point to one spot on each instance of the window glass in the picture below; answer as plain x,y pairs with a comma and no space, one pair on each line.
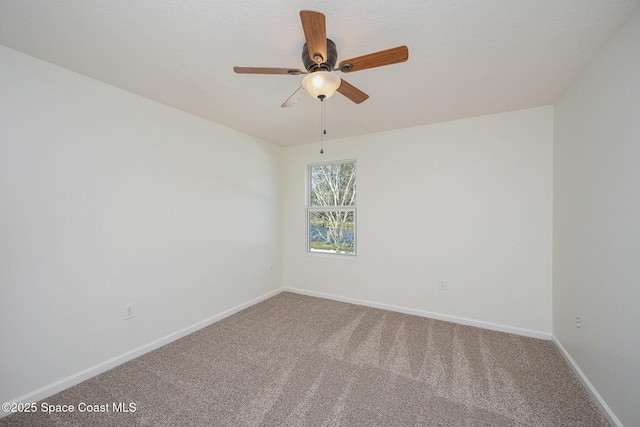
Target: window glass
331,208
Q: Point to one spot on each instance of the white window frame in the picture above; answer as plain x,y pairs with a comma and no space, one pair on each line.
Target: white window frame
310,209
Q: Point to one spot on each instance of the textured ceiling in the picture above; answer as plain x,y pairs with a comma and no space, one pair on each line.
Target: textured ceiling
466,57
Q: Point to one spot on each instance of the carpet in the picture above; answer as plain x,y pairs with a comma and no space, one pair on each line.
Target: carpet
296,360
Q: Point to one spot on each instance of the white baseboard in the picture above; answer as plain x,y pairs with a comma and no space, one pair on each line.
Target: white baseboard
77,378
604,408
423,313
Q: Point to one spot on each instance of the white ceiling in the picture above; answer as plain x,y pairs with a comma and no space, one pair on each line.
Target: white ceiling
466,57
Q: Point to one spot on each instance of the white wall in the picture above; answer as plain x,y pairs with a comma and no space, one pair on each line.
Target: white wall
596,272
468,201
107,198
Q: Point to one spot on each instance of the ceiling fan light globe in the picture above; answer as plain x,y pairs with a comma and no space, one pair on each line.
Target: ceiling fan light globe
321,83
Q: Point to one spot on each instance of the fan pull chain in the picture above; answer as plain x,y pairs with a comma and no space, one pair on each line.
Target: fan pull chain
323,130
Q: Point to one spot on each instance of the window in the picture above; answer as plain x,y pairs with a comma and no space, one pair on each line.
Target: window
331,208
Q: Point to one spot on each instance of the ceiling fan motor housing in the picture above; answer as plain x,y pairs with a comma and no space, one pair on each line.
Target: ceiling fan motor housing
327,65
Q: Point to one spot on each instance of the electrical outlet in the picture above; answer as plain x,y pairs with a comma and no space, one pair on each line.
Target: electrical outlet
442,285
270,268
578,322
129,311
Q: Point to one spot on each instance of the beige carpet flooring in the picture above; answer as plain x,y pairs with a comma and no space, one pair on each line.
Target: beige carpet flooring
295,360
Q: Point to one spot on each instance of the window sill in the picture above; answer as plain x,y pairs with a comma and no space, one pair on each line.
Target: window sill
322,254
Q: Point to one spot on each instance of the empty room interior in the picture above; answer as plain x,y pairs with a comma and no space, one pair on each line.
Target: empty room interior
152,195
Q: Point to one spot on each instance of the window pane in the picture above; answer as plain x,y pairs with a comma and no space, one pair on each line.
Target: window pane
332,232
333,184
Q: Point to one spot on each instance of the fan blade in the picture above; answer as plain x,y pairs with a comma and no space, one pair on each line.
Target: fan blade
294,98
267,70
352,92
315,31
378,59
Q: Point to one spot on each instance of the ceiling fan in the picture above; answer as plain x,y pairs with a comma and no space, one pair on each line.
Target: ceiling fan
319,56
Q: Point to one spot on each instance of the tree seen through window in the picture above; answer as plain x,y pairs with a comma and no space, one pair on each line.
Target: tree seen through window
331,208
